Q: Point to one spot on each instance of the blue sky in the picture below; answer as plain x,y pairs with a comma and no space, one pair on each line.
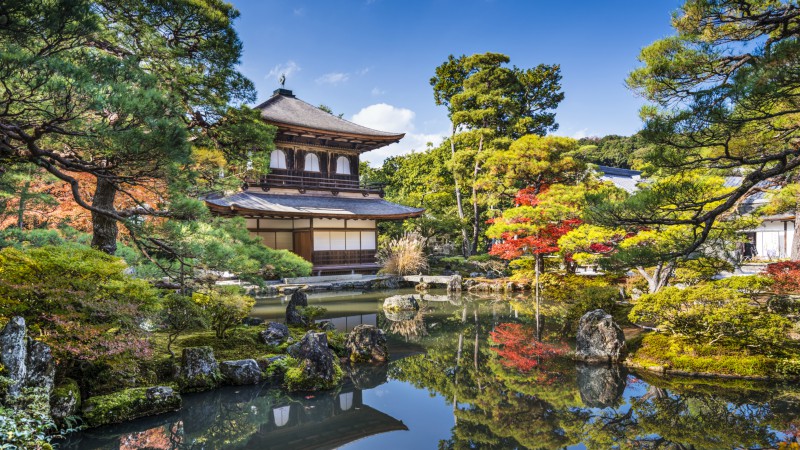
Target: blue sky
372,59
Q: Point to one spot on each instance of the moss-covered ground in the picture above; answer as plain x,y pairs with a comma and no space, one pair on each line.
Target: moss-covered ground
677,354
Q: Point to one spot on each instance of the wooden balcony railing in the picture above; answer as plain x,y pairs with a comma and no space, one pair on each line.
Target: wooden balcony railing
275,180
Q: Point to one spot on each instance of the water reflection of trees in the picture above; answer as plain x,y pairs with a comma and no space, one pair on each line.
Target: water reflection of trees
555,403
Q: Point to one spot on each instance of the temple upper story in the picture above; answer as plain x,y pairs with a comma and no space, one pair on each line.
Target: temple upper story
316,150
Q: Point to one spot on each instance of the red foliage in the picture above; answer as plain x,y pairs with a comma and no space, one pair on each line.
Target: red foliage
518,348
544,242
786,276
528,196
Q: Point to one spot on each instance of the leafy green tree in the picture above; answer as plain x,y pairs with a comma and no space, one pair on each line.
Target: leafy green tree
611,150
225,306
723,93
122,91
532,162
181,314
201,250
495,104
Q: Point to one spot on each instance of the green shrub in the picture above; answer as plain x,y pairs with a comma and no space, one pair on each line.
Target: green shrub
226,307
709,314
181,314
79,300
749,284
694,271
678,353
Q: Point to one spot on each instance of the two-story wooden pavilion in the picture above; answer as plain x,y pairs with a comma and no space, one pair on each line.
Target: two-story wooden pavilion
312,201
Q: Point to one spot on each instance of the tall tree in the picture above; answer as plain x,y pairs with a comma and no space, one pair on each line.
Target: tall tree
123,90
495,104
725,93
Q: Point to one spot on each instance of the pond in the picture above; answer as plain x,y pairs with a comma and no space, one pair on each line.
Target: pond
464,374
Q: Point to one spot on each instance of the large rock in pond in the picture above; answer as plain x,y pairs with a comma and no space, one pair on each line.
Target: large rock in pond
400,303
129,404
599,338
275,334
367,344
199,370
293,316
14,347
28,363
65,401
318,366
241,372
600,385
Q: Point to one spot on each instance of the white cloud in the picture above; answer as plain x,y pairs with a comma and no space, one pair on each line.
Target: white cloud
300,12
385,117
364,71
333,78
377,92
288,68
580,134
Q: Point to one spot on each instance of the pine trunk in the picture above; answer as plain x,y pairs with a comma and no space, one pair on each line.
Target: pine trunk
476,218
104,228
465,245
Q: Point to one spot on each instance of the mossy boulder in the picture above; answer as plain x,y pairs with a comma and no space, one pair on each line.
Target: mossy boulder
129,404
275,334
317,368
241,372
199,370
400,303
293,315
367,344
65,401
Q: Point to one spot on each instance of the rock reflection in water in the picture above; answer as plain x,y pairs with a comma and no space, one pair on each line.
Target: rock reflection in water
255,417
600,385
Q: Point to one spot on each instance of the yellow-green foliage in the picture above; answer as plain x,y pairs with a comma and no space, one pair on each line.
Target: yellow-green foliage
241,342
678,353
578,241
709,314
297,379
124,406
701,269
226,307
750,284
403,256
79,299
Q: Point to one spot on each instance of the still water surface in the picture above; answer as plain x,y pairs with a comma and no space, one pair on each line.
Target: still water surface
464,375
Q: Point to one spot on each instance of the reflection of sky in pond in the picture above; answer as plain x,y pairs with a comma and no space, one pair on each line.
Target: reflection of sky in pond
373,410
428,418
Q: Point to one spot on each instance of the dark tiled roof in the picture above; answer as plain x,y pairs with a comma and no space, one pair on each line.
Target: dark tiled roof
312,206
284,108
